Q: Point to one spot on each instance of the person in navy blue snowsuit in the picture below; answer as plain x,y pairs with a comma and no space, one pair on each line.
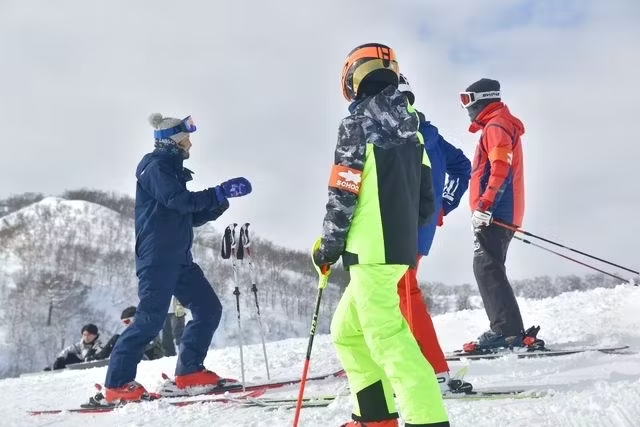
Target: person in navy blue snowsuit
450,174
165,214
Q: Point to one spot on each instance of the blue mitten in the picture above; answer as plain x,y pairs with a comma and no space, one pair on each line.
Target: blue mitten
236,187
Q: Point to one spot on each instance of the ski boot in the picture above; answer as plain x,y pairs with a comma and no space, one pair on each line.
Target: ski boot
199,382
119,396
531,341
384,423
454,385
491,342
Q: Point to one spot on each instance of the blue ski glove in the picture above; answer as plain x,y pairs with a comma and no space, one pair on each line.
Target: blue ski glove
236,187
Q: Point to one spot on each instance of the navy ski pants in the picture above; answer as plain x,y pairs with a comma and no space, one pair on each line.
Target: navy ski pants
156,285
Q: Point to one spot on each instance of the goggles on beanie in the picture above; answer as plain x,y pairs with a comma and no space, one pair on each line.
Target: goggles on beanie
186,125
467,99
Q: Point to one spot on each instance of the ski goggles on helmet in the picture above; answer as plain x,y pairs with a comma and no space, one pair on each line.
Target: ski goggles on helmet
403,84
467,99
186,125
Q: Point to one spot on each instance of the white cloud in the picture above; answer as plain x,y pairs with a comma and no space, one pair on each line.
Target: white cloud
261,80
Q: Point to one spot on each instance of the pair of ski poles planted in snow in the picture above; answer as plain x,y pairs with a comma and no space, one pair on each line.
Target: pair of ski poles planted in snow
234,252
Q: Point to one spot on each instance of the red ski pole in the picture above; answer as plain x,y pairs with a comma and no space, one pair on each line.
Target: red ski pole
571,259
526,233
323,278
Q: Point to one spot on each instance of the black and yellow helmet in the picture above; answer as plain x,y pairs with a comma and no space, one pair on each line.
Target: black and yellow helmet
368,64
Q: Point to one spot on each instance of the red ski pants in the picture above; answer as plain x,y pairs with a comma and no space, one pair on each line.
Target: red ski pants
421,324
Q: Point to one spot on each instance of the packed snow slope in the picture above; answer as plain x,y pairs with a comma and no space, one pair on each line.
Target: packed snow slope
588,389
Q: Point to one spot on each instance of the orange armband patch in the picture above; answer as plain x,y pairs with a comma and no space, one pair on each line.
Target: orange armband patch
345,178
501,153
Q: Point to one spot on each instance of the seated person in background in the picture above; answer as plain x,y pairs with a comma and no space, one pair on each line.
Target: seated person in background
84,351
152,351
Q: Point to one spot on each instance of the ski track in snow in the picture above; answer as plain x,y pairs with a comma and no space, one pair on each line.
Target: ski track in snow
589,389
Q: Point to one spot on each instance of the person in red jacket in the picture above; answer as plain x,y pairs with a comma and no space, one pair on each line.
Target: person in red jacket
496,193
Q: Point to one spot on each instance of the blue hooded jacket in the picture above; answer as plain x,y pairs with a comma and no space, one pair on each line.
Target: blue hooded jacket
445,160
166,211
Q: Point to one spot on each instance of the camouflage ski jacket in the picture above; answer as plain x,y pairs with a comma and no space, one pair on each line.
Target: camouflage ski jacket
380,188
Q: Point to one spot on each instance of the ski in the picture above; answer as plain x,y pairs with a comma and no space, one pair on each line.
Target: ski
285,403
87,365
323,401
169,388
237,387
496,394
547,352
88,408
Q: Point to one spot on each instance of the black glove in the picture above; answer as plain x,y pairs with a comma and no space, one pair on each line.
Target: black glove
59,363
325,256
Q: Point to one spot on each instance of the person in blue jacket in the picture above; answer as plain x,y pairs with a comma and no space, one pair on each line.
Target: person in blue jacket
165,214
451,171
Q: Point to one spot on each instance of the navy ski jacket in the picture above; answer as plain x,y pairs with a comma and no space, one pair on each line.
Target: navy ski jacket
445,160
166,211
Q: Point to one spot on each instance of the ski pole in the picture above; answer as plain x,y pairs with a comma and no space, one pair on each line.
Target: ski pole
323,278
570,259
245,244
526,233
229,246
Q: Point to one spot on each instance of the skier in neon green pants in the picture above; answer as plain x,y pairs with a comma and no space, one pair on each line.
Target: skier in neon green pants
380,191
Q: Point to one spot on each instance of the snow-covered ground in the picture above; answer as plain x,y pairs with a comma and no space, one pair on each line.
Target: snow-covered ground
589,389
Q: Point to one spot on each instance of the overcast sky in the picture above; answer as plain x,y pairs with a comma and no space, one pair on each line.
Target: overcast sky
261,79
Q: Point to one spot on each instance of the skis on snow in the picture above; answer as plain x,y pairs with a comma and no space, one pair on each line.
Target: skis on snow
524,353
253,398
250,391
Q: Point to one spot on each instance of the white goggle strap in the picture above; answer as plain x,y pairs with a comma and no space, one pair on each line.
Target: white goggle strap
477,96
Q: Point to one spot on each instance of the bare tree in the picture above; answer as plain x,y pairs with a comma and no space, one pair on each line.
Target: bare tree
462,297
